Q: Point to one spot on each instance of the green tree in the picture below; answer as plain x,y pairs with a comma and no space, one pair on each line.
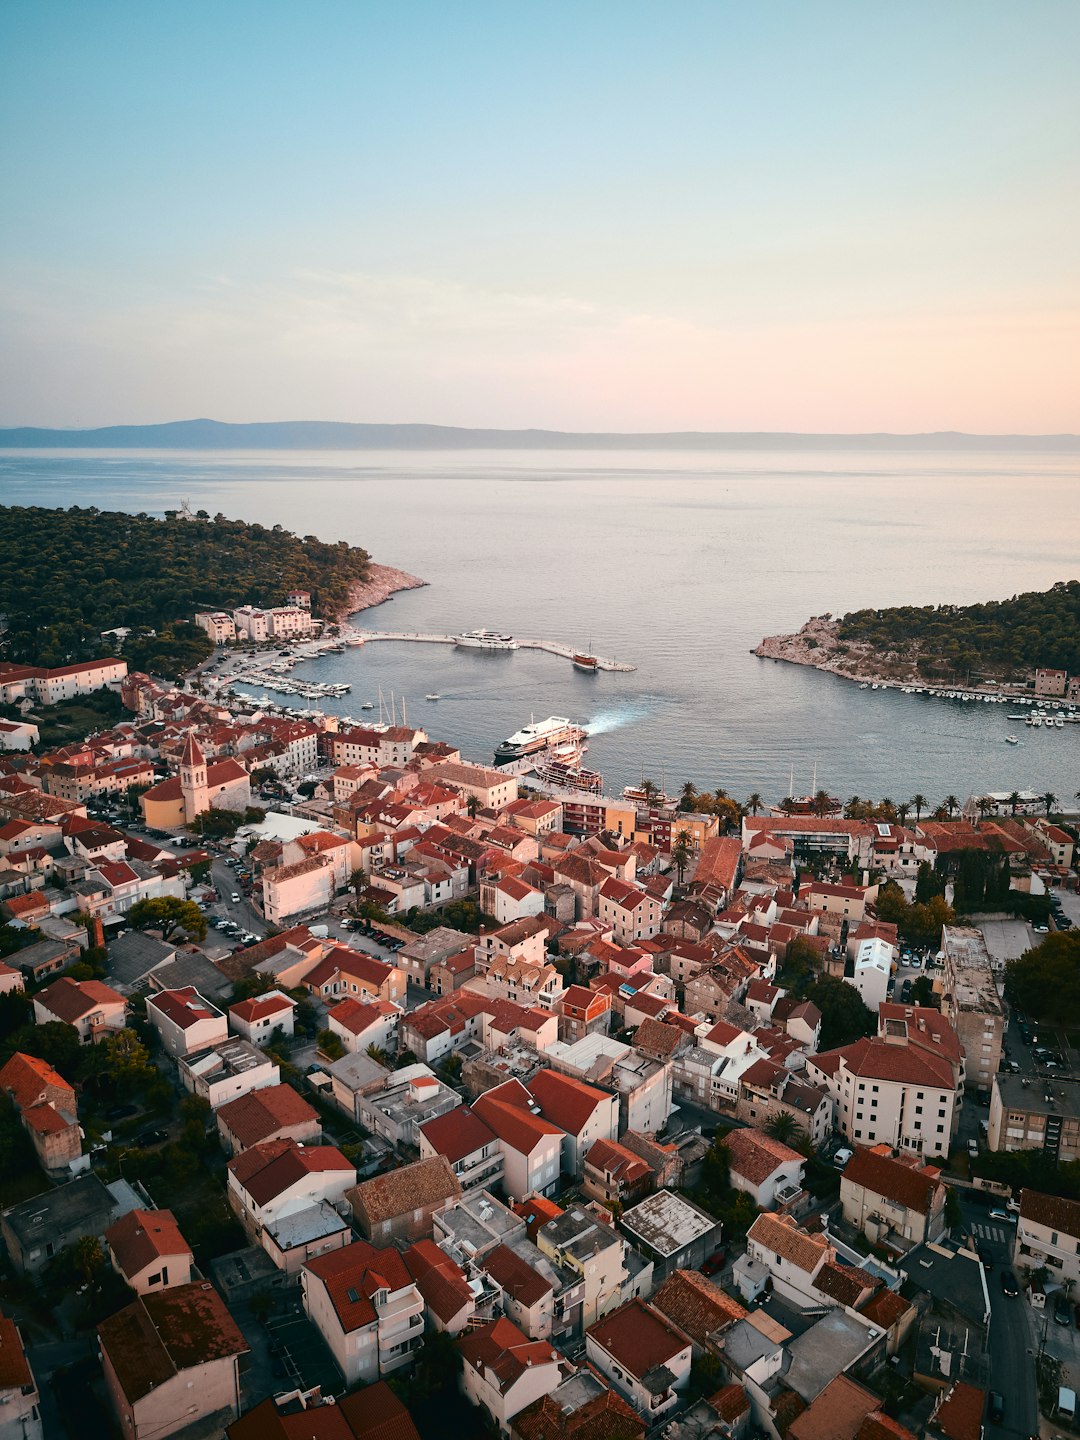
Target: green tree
844,1017
919,803
1049,800
168,914
1045,981
682,852
784,1127
754,802
688,796
331,1045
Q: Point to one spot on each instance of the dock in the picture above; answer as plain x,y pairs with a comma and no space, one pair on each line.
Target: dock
553,647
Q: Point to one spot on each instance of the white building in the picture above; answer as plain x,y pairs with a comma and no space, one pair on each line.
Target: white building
646,1358
231,1068
504,1371
873,970
257,1020
185,1021
366,1306
1048,1233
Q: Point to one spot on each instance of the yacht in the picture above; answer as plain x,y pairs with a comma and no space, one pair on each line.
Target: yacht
368,705
433,696
540,735
485,640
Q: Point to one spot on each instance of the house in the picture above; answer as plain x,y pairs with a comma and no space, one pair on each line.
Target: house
958,1413
402,1101
366,1306
306,887
526,1293
220,785
372,1413
93,1009
581,1408
146,1248
697,1307
671,1231
845,1410
503,1371
399,1205
1048,1233
584,1114
583,1241
48,1110
186,1022
232,1068
448,1295
531,1145
275,1112
20,1401
259,1019
469,1147
582,1012
893,1200
614,1175
351,972
418,956
171,1360
768,1089
633,912
359,1024
769,1172
37,1229
643,1355
278,1178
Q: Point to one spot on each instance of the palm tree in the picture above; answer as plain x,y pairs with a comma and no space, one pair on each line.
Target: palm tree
682,852
822,803
1014,801
783,1127
688,794
852,808
902,811
472,805
753,803
649,790
887,808
952,804
984,805
1049,800
920,802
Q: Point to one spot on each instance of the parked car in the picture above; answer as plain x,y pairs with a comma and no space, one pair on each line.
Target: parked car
715,1263
995,1407
235,898
1062,1311
1008,1283
841,1158
973,1149
1005,1215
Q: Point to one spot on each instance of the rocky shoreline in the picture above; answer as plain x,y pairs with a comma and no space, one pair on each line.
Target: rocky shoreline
818,644
382,584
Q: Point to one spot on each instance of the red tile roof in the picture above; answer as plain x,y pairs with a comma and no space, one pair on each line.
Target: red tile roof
184,1007
506,1110
960,1411
353,1274
261,1007
26,1077
259,1114
907,1186
516,1276
503,1352
267,1170
568,1103
164,1334
755,1156
876,1060
14,1368
457,1134
142,1236
638,1337
69,1000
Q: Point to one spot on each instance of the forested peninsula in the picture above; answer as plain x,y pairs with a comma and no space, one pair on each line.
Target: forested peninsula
68,575
1003,641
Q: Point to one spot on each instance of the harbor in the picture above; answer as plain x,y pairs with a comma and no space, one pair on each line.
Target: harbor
356,636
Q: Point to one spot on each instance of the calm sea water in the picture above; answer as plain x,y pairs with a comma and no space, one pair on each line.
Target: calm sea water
679,563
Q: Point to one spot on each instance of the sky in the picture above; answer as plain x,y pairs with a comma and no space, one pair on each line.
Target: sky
598,215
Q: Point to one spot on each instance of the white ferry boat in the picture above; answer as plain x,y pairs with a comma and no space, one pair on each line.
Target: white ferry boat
485,640
547,734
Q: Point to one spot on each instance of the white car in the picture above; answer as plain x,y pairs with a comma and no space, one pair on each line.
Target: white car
235,899
841,1158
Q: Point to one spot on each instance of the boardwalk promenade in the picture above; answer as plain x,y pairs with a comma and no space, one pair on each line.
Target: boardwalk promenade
551,646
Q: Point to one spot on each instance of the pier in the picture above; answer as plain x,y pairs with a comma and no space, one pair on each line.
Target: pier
551,646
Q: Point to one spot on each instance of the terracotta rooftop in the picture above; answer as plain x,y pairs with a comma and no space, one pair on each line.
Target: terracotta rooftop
267,1170
26,1077
603,1417
259,1114
568,1103
882,1175
960,1411
457,1134
781,1235
353,1274
142,1236
503,1352
697,1306
410,1187
755,1156
1050,1210
516,1276
14,1368
638,1337
161,1335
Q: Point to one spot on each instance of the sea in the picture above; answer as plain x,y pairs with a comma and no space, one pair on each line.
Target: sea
677,562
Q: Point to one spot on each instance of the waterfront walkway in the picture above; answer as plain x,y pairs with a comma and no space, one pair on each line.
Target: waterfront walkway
551,646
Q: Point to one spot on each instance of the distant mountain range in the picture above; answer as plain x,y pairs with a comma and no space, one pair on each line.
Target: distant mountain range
335,435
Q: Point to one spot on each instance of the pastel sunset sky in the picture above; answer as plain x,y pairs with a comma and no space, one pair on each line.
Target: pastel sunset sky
840,215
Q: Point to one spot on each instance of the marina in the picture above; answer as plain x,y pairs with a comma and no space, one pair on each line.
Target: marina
494,642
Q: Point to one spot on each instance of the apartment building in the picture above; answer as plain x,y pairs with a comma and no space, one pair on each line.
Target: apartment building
970,1000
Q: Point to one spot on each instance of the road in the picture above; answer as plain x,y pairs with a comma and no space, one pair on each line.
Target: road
1011,1343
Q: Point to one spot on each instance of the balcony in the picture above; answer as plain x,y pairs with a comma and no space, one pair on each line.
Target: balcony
401,1338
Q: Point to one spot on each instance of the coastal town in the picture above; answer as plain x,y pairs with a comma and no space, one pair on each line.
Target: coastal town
353,1086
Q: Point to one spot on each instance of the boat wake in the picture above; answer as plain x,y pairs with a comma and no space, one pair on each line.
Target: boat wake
609,720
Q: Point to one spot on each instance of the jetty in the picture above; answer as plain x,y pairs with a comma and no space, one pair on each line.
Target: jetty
553,647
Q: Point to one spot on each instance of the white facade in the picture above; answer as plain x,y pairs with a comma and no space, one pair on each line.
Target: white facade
229,1070
873,970
373,1349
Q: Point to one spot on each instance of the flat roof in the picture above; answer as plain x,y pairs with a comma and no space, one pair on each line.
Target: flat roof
819,1354
1041,1095
667,1222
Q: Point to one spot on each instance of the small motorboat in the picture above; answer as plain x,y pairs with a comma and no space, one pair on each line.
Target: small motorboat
367,705
432,697
1011,740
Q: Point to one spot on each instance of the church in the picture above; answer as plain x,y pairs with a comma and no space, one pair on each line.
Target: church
224,785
